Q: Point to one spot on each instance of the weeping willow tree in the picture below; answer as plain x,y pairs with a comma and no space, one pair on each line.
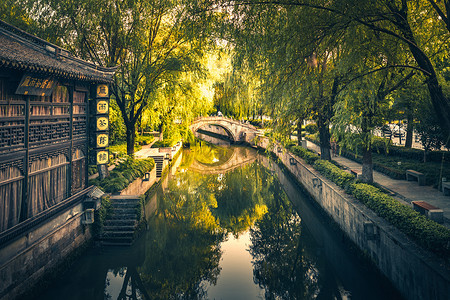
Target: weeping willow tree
421,27
153,42
293,62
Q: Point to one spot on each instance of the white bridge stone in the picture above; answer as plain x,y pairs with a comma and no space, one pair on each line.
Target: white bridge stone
236,130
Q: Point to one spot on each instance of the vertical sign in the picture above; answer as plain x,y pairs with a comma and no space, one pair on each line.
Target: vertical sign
101,137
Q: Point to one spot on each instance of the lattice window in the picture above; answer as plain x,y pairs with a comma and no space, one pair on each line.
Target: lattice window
49,131
12,135
79,126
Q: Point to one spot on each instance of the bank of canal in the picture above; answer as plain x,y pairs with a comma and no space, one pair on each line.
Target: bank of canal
225,228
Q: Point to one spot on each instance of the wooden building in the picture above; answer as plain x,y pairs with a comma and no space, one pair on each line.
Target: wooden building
44,94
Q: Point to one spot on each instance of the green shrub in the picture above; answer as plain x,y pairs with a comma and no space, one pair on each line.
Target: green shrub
101,214
92,169
427,233
144,139
121,148
256,123
334,173
164,143
309,156
122,175
311,128
313,138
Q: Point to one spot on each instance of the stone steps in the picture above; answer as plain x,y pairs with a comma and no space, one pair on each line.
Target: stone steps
159,163
119,227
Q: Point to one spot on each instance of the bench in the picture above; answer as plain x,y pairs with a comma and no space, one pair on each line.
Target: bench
430,211
411,175
446,188
356,173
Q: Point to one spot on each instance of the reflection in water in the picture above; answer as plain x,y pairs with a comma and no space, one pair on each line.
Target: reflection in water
228,235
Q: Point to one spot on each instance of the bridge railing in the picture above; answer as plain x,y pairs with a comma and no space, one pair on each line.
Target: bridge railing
216,118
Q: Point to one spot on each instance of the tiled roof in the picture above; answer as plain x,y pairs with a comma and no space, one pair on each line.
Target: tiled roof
20,50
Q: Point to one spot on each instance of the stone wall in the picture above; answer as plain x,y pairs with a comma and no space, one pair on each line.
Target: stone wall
416,273
140,186
24,261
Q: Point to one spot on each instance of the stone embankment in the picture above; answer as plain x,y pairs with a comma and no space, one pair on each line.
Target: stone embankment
416,273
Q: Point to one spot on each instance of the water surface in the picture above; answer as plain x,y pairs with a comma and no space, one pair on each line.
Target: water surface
228,224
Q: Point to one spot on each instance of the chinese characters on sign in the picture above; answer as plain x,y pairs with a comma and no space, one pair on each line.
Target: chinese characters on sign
35,85
102,91
101,141
102,107
102,123
102,157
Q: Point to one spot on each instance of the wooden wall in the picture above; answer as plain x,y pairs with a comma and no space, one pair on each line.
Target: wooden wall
43,147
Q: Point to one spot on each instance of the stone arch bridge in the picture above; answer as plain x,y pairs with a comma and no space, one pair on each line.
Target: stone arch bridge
237,131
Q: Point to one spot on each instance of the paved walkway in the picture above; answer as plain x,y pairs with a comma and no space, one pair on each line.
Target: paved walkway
402,190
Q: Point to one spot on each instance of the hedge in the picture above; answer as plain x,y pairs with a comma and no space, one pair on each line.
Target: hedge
427,233
125,173
334,173
309,156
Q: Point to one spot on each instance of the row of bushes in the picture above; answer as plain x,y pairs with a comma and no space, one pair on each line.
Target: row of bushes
427,233
125,173
309,156
164,143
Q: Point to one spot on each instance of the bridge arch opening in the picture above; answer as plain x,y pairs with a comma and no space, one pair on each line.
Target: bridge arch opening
202,128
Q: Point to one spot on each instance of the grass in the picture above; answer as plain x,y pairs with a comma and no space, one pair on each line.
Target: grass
121,148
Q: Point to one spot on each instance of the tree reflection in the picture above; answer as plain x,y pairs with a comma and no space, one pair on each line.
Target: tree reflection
282,265
193,218
183,247
241,198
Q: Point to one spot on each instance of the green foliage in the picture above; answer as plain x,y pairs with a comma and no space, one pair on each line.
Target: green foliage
101,214
399,159
92,169
427,233
121,148
313,138
311,128
309,156
125,173
187,135
163,144
117,129
143,140
334,173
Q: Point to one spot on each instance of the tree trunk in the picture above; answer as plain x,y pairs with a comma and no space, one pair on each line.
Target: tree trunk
441,104
131,137
409,131
324,135
367,166
299,131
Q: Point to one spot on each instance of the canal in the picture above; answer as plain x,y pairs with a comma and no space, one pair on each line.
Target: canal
228,223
